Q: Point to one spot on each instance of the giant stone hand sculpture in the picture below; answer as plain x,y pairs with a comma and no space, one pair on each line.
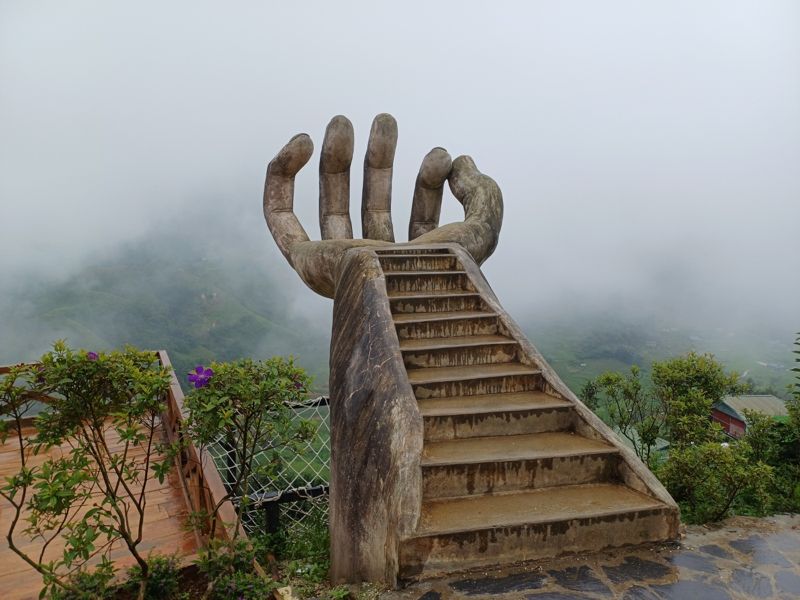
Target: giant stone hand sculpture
317,261
423,356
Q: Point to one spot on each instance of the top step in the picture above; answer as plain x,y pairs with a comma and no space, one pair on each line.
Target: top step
418,262
411,250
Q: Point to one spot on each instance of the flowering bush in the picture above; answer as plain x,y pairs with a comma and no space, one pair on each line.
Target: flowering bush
245,406
200,376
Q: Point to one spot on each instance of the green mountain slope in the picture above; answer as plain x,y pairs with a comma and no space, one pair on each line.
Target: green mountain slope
180,295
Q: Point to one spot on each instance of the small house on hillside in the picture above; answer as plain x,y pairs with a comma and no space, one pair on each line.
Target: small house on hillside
729,412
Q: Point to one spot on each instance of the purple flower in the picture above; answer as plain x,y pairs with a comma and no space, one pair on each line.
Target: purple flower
92,355
200,376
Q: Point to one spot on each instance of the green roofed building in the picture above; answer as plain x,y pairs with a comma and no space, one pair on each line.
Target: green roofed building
729,412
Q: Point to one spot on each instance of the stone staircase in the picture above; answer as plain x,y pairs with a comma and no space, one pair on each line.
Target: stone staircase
510,469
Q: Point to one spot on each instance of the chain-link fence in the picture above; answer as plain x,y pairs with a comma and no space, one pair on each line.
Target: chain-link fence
297,497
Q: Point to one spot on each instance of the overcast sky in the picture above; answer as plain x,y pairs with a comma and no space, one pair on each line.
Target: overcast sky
648,152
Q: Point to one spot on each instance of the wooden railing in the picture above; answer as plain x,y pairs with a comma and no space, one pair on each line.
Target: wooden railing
202,484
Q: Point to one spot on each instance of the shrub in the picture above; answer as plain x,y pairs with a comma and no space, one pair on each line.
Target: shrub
245,406
230,568
88,585
708,479
163,581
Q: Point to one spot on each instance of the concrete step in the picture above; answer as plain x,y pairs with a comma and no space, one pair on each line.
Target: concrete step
455,315
445,374
426,281
445,324
413,302
468,381
490,403
511,448
459,351
418,262
462,533
509,414
480,465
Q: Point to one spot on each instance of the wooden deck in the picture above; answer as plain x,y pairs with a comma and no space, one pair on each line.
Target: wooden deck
164,532
187,488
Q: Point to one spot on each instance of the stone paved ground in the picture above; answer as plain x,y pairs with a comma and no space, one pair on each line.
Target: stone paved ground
742,558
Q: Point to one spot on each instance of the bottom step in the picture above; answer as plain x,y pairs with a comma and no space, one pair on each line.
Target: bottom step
462,533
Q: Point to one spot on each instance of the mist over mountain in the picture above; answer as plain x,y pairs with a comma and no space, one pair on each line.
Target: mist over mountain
210,285
197,287
647,155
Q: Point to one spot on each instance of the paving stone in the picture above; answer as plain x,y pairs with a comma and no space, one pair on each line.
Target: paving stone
640,593
788,582
555,596
636,569
517,582
683,590
693,561
767,556
580,579
748,545
715,550
738,563
751,583
784,542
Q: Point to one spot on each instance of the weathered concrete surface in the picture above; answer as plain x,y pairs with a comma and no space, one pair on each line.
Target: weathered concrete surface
334,180
427,204
739,559
376,430
504,419
318,263
376,198
483,212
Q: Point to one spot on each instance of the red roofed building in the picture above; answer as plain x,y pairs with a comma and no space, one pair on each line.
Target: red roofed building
729,412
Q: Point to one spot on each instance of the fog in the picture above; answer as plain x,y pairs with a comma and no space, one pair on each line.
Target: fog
647,152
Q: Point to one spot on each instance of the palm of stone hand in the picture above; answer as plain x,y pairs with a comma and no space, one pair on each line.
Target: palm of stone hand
317,261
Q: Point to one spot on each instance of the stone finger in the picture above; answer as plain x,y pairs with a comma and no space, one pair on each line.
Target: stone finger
427,203
334,180
376,200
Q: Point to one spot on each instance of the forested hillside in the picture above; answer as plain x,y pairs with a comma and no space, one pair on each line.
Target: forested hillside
208,289
201,297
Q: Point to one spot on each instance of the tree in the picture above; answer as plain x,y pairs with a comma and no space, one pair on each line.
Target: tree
687,387
589,395
707,476
677,405
793,405
632,411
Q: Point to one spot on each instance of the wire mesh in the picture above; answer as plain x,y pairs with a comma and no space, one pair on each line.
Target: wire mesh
296,498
